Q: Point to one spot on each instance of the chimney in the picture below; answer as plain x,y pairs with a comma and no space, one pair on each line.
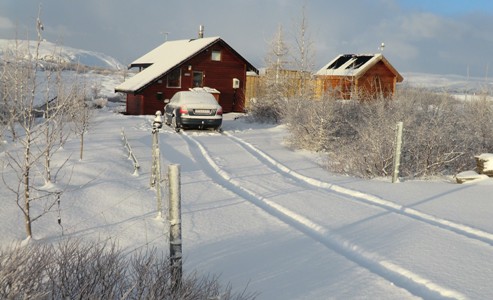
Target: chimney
201,31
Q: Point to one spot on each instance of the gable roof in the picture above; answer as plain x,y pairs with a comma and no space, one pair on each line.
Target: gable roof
353,65
164,58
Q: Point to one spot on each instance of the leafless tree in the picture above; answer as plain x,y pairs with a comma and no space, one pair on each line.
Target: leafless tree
275,83
81,116
14,85
27,121
277,58
53,110
33,112
303,55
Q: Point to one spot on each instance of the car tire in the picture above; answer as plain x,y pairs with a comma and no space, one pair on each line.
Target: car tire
174,124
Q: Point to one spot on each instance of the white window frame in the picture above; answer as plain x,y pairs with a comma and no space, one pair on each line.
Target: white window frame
179,78
216,55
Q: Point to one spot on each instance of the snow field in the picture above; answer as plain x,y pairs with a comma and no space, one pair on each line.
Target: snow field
259,214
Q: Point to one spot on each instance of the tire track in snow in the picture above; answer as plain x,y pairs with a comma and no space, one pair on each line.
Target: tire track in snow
395,274
458,228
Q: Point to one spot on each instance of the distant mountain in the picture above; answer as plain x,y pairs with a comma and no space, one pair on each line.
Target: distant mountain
453,84
51,52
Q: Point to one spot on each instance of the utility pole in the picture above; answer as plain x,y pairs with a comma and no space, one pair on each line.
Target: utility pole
175,245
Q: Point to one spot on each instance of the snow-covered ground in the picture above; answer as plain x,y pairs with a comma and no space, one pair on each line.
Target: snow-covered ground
263,216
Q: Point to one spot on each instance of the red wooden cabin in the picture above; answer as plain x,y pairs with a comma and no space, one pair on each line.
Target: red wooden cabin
184,64
368,75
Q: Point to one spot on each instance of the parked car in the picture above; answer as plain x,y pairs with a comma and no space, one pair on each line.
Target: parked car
193,109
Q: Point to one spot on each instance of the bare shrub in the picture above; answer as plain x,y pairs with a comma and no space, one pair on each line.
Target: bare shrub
22,272
100,102
435,134
368,149
75,270
441,133
312,124
478,116
265,111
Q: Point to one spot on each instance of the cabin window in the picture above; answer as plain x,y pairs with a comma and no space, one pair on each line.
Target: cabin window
174,78
216,55
159,96
198,79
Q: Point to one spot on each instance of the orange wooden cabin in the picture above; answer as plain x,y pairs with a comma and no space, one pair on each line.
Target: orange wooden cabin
349,76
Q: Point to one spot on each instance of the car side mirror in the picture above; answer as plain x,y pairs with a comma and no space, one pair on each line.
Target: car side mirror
166,101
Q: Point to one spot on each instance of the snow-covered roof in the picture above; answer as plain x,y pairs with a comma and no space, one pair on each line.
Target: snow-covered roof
355,65
163,59
172,51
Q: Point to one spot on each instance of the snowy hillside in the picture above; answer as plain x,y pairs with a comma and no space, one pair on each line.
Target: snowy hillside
451,84
65,54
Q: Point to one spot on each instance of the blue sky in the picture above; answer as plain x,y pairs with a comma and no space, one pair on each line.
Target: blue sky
449,7
429,36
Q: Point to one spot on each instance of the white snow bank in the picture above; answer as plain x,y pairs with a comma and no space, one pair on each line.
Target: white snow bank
487,159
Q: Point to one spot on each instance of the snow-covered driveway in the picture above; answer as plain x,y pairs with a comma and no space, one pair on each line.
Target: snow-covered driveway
296,232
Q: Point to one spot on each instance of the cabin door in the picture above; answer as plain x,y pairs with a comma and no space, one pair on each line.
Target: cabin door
198,79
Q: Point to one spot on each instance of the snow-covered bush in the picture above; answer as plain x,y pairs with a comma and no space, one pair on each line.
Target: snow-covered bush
265,111
441,134
100,102
74,270
313,125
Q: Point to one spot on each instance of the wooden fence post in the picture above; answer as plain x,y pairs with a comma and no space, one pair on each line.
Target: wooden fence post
175,245
158,178
397,154
152,182
156,161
